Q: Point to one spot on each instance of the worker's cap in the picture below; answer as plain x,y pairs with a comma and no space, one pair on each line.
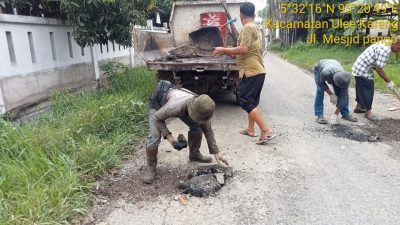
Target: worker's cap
201,109
342,79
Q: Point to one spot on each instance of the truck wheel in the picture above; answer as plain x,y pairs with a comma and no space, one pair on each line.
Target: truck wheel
165,75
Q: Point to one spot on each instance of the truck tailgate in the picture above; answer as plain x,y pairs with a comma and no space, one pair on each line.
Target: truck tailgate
200,64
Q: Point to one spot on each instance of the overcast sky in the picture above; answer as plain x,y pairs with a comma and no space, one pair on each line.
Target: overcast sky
260,4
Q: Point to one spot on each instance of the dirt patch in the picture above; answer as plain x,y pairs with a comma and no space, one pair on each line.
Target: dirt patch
130,187
353,133
126,183
387,129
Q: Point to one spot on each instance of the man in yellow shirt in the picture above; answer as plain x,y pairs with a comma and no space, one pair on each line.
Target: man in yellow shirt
251,71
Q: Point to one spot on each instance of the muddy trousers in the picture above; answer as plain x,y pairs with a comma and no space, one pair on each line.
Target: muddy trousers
319,98
151,158
195,135
154,137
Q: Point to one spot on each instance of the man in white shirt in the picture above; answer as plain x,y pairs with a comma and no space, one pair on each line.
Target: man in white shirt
373,58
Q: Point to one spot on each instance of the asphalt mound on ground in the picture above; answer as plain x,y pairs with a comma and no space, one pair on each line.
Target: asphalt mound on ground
385,130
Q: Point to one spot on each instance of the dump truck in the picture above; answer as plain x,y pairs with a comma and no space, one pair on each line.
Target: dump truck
183,55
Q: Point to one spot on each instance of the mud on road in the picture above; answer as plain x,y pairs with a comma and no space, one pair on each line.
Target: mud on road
385,130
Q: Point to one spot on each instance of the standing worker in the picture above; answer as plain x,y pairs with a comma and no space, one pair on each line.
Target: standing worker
331,71
195,111
373,58
249,53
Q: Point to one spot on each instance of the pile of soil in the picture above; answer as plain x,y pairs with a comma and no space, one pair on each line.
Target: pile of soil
386,129
353,133
129,185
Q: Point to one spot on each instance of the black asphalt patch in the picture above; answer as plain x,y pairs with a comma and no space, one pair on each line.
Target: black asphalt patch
206,180
353,133
385,130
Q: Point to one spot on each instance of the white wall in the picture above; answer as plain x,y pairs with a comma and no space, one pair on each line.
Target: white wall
19,26
17,77
186,17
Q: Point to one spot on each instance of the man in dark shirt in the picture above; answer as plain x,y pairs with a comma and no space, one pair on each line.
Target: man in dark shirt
330,71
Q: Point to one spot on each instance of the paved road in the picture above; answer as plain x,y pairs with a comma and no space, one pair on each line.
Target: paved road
306,176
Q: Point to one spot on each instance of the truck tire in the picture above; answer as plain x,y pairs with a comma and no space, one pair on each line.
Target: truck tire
165,75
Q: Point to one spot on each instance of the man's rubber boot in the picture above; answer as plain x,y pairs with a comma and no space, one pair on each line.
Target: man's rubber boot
151,156
194,141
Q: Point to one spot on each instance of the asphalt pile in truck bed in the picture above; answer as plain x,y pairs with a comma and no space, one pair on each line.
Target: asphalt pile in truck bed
202,44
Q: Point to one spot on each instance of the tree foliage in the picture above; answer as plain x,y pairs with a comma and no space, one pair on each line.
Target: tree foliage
46,8
263,13
165,5
100,21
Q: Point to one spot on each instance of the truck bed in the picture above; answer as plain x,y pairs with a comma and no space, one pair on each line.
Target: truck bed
224,63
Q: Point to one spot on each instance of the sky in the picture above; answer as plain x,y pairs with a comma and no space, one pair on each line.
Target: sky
260,4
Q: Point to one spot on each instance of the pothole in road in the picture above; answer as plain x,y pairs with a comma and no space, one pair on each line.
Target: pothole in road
387,130
353,133
205,181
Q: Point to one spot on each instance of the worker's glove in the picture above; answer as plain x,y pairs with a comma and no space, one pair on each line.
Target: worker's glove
390,85
220,159
182,142
333,120
177,144
171,139
333,99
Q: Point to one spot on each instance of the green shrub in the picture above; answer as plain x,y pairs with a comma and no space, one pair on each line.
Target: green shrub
47,166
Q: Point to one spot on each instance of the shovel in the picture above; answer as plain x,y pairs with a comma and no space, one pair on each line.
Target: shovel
397,94
233,31
398,97
229,22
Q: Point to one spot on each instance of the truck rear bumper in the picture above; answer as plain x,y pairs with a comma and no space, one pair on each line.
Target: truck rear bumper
198,64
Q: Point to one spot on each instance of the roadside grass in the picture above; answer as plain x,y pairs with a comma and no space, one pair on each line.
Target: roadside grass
48,166
307,56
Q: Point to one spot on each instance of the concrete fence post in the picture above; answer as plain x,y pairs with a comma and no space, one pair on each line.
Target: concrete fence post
2,104
95,63
132,56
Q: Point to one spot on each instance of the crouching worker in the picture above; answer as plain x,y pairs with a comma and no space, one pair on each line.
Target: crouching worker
195,111
331,71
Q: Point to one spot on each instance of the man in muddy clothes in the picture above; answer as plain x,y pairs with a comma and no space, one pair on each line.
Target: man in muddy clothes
195,111
330,71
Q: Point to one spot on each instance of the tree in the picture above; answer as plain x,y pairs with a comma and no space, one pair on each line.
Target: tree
165,6
100,21
263,13
47,8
